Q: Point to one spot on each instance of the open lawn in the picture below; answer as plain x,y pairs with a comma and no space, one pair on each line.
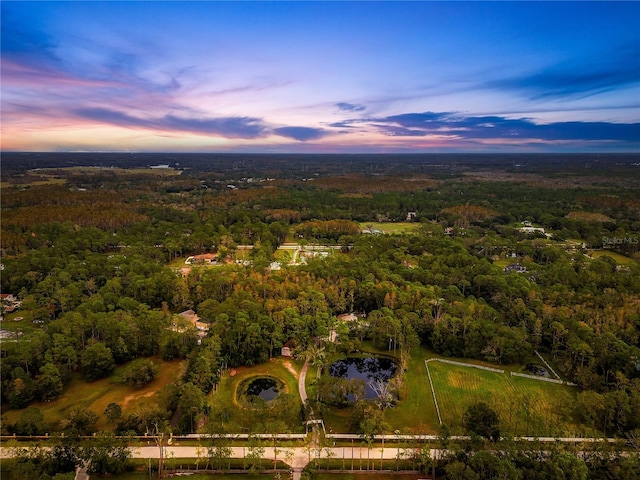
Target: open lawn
97,395
525,406
620,259
416,412
391,227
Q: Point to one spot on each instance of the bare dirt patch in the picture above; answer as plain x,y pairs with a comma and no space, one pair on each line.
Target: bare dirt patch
289,366
128,398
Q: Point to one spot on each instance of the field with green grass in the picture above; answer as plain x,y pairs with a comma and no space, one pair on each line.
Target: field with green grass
525,406
95,396
620,259
391,227
415,413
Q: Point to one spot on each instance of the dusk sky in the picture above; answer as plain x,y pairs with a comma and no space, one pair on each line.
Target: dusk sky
321,76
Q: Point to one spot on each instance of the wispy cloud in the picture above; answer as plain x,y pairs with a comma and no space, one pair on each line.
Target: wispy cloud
227,127
350,107
301,134
577,78
459,126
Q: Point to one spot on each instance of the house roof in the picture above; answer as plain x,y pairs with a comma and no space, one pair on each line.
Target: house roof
189,315
206,256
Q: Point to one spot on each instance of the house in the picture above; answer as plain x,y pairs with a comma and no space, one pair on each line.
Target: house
532,230
333,336
190,315
9,302
515,268
348,317
206,258
193,318
411,216
287,348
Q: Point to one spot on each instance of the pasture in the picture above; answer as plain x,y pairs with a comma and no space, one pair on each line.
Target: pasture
525,406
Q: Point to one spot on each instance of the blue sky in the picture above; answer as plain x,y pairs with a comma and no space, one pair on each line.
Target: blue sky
321,76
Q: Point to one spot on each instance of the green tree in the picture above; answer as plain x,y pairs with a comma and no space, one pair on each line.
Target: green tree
139,372
481,419
49,382
80,421
31,422
107,454
97,361
191,402
113,412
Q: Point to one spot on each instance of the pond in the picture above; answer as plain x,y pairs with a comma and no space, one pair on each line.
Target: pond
264,387
366,369
539,370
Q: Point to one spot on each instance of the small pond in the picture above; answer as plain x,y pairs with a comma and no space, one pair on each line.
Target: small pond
367,369
266,388
539,370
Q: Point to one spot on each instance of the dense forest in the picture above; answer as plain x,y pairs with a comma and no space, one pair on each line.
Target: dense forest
502,260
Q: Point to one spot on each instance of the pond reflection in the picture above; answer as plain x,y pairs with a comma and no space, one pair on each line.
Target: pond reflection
368,369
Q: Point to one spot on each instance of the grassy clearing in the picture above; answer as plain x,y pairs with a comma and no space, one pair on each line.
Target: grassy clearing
525,406
21,182
392,227
224,397
97,395
620,259
416,413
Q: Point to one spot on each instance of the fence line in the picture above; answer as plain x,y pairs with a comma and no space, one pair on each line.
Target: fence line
433,392
462,364
544,379
547,365
536,377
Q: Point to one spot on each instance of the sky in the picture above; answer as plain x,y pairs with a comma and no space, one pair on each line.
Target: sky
320,77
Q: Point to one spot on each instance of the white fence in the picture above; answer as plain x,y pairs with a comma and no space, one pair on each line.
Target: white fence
462,364
544,379
433,391
547,365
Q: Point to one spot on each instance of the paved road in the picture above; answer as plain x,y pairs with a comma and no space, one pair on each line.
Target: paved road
296,457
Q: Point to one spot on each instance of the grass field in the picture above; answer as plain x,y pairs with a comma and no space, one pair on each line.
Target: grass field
525,406
45,181
416,413
620,259
392,227
97,395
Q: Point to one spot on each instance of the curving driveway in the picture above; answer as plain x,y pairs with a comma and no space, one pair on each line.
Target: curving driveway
301,382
